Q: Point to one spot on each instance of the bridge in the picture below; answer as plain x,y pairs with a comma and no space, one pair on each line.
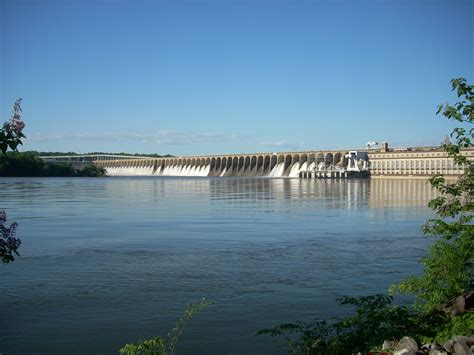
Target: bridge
79,161
87,157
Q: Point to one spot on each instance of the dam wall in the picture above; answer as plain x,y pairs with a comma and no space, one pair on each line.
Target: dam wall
406,162
264,164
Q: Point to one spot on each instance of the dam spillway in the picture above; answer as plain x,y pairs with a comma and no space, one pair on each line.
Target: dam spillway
263,165
395,162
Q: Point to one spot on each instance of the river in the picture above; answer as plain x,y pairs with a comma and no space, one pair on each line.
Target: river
106,261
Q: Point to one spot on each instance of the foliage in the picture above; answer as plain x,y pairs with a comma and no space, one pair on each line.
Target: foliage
30,164
91,171
448,269
375,319
26,164
8,243
166,345
459,325
10,137
11,132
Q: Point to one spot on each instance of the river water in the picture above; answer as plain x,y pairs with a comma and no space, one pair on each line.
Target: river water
106,261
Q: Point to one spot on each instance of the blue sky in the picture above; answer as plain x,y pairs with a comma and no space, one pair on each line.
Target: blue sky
204,77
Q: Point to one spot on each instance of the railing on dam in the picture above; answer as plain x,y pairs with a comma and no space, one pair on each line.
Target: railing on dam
87,158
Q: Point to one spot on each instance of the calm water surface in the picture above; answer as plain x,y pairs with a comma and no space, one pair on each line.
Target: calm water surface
111,260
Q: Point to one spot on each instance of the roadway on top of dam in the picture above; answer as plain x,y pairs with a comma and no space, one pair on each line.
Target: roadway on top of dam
264,153
108,157
333,156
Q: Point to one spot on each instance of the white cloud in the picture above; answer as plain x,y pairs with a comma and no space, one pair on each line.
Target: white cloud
160,137
41,137
281,144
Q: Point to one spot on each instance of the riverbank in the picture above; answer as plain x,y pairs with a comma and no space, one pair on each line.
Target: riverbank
14,164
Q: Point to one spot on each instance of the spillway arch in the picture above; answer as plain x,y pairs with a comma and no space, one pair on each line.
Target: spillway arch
287,164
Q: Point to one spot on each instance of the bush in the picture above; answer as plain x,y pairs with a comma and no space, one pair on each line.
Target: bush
91,171
448,268
11,132
8,243
375,319
10,137
166,345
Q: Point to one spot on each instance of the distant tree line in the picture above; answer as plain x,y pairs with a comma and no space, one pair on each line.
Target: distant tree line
28,164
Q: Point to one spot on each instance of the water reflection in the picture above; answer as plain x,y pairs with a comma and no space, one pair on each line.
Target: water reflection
343,193
373,193
400,192
139,197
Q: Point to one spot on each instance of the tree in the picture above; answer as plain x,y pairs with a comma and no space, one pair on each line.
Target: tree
10,137
448,269
8,243
11,132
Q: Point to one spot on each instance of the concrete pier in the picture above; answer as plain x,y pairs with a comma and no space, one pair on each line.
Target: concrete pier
338,174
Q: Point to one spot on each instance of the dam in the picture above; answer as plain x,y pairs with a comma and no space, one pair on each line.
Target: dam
284,164
383,162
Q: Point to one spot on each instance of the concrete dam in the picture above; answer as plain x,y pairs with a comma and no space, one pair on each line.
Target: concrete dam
264,164
384,162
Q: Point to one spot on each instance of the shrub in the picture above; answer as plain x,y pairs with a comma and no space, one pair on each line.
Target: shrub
166,345
8,243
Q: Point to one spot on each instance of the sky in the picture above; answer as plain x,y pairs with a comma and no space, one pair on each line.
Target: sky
227,76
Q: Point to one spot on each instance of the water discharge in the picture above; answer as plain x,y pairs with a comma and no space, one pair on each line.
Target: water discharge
173,170
278,170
